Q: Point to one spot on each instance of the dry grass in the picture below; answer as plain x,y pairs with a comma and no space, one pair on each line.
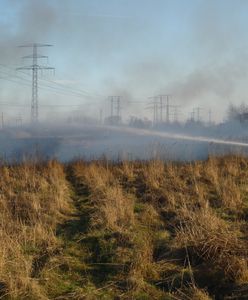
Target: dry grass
32,198
215,241
113,208
191,293
195,208
141,230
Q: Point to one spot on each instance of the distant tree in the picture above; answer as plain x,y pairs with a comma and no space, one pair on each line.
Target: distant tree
236,112
139,123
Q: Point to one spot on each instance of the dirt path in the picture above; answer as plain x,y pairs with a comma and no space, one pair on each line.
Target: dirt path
72,271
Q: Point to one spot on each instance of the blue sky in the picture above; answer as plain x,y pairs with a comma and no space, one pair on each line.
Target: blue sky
195,50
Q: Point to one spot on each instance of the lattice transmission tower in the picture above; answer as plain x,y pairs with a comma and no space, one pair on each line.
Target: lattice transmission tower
35,67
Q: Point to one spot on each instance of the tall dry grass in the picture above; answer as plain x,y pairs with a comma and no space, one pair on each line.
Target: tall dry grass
32,198
113,208
204,206
158,230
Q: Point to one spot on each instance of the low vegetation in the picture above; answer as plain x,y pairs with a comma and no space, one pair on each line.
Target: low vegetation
124,230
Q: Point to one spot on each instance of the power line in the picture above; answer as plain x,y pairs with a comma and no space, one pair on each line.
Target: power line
41,86
80,92
42,105
64,90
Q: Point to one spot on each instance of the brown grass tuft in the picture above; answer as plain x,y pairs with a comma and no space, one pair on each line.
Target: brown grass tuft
212,239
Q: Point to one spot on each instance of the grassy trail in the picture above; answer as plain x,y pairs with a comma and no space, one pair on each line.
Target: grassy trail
73,273
78,275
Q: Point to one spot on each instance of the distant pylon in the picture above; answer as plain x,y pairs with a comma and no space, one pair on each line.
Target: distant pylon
35,67
166,99
176,113
154,105
118,106
210,117
2,121
158,106
115,108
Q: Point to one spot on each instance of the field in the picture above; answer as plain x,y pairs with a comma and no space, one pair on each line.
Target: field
124,230
117,143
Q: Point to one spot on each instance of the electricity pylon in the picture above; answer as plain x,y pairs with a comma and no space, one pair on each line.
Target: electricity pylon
35,67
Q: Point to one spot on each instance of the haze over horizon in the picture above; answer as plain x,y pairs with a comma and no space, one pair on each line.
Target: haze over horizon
195,50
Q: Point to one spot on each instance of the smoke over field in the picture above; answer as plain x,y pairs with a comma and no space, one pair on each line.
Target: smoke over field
115,143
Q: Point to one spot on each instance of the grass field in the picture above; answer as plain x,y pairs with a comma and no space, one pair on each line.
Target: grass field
127,230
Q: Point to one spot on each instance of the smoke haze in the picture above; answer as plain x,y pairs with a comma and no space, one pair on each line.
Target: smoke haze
195,50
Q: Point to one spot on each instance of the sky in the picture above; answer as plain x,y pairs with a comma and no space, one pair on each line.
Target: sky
194,50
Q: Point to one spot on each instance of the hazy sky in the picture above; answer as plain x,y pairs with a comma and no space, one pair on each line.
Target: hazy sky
195,50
